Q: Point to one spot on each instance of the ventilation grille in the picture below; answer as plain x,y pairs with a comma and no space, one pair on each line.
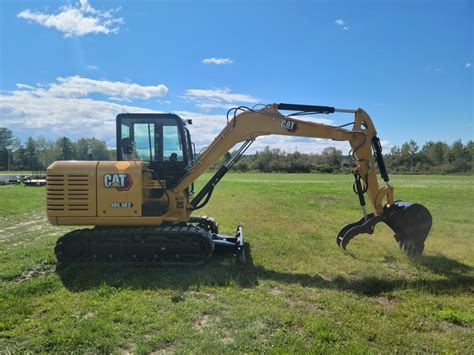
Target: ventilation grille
68,193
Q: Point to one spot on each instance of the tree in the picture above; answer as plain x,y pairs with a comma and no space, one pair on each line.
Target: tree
46,152
91,148
332,157
64,149
436,152
99,149
459,157
18,160
409,149
7,143
31,154
82,149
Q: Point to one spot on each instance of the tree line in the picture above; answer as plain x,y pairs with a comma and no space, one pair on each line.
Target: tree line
432,157
37,154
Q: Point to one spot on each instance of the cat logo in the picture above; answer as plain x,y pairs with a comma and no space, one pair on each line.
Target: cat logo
121,182
289,125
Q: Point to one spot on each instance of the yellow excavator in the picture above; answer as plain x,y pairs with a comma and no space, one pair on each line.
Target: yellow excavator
140,206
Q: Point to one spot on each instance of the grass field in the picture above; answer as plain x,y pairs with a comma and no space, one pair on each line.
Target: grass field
298,293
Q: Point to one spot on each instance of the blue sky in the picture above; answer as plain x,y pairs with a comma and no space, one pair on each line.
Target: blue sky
68,67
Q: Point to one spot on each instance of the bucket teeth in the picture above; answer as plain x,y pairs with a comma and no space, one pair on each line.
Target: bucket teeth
410,222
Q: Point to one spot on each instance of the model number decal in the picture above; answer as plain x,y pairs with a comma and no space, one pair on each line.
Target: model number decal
121,204
289,125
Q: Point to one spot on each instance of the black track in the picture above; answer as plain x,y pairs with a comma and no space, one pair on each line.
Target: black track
165,244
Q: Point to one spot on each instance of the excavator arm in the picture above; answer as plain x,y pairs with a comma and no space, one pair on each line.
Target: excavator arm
250,124
410,222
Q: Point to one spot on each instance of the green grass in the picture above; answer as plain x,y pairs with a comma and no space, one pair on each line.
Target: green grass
299,292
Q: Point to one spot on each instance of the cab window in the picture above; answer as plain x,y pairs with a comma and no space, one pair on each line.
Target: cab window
172,148
151,140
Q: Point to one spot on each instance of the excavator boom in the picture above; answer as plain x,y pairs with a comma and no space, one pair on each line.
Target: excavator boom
411,223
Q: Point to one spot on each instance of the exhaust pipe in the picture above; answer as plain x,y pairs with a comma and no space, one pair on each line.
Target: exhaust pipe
410,222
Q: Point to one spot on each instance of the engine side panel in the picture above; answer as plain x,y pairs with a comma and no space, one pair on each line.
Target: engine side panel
110,193
119,188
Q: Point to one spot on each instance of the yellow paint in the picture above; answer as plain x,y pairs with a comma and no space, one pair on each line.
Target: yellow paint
123,165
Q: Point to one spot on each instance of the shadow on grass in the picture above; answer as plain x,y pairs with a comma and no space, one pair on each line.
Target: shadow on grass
223,270
443,265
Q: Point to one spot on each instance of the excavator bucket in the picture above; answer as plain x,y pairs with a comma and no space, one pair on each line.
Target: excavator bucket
411,223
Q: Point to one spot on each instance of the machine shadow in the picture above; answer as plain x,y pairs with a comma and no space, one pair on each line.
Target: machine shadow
223,270
442,265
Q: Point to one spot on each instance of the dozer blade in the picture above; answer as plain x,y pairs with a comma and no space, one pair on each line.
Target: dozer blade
236,244
411,223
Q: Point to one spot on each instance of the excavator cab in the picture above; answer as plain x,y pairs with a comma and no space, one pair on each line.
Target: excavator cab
162,140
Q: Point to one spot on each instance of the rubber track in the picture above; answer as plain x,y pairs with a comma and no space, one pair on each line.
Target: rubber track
168,244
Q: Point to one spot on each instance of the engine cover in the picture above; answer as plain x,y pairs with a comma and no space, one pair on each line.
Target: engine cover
94,189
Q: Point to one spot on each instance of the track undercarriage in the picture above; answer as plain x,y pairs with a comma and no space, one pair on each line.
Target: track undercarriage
171,244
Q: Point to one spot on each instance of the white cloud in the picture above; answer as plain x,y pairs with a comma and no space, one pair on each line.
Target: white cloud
92,67
205,128
217,61
40,110
65,108
342,24
76,86
24,87
468,65
218,98
76,20
30,114
386,145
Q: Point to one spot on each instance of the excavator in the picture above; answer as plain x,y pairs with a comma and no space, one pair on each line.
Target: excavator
140,206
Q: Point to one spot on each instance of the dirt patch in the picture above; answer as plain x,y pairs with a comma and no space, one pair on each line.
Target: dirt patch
275,291
88,315
31,223
205,322
402,273
40,271
202,295
305,305
227,338
131,349
446,326
260,325
202,322
326,278
310,307
163,351
387,303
